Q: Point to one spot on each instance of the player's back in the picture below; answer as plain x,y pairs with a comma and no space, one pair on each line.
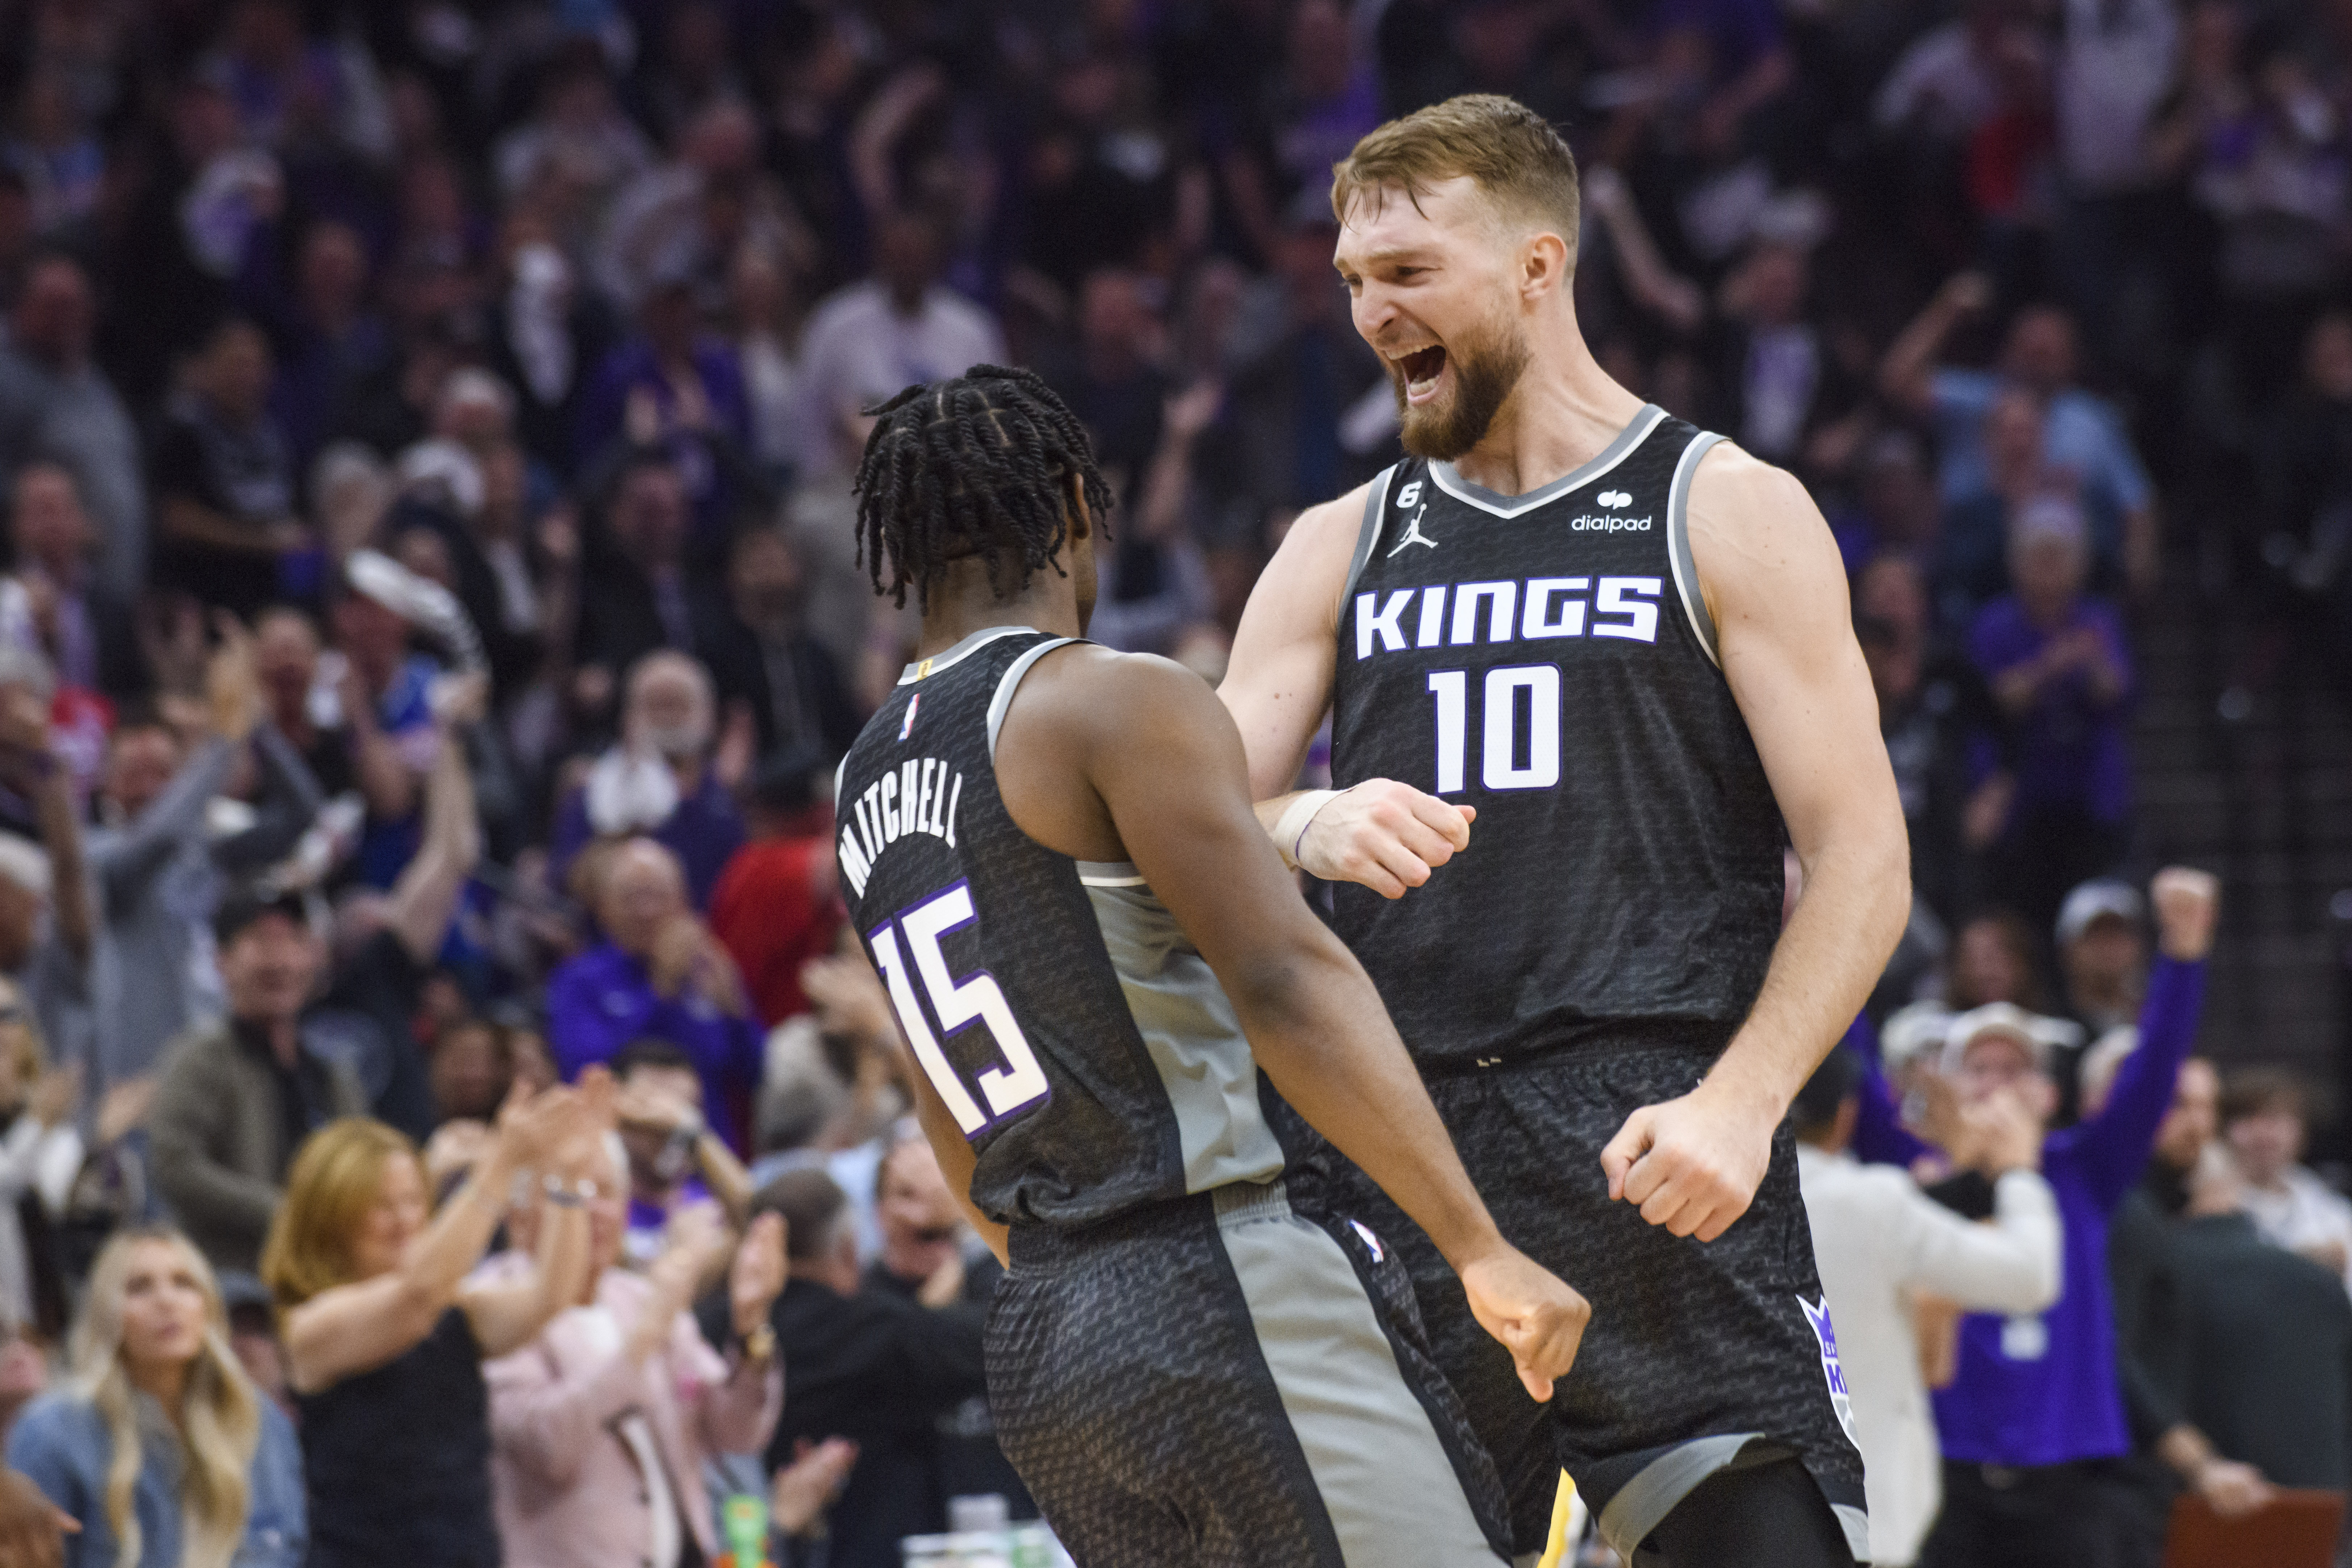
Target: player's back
1065,1020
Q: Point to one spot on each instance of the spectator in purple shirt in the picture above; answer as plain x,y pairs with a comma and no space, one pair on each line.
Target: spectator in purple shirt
675,388
2060,672
2032,1421
657,974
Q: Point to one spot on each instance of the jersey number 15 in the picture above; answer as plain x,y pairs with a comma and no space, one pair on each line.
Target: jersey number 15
1010,1090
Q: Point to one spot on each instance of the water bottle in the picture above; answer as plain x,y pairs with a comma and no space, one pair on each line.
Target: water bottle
1033,1546
743,1521
981,1513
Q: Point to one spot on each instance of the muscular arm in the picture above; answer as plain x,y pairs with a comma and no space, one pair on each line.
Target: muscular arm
1385,834
1777,590
1167,788
1773,583
1278,681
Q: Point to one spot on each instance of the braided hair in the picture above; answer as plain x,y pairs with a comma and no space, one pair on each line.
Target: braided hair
980,464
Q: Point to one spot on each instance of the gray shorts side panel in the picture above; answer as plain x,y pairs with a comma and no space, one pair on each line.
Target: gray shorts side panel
1388,1483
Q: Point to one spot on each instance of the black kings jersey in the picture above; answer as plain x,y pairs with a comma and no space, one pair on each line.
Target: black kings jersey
1070,1026
1547,659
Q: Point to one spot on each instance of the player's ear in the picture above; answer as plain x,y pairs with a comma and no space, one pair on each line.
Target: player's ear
1544,265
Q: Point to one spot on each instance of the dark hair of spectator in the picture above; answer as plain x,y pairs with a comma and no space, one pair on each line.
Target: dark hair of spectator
649,1051
787,781
977,464
811,1204
2262,1091
1815,1108
241,909
2017,937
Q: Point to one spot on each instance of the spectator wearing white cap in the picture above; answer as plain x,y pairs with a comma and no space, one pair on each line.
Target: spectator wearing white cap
1882,1245
2103,953
2034,1423
1911,1040
2102,947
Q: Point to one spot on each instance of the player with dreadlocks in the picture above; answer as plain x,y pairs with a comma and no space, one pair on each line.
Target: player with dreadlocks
1050,854
1010,484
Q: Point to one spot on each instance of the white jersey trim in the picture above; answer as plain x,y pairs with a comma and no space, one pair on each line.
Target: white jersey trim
1002,703
1609,457
1678,549
1368,533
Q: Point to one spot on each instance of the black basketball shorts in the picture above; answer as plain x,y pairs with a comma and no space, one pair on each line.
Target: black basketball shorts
1701,1356
1223,1381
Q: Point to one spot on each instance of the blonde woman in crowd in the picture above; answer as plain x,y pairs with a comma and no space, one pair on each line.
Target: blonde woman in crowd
384,1335
159,1446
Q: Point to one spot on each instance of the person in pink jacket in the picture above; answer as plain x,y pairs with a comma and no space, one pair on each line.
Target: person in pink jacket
600,1426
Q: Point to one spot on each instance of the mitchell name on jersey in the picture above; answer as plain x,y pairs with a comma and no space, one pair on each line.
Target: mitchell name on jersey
919,795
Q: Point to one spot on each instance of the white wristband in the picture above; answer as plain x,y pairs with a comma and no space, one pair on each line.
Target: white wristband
1290,829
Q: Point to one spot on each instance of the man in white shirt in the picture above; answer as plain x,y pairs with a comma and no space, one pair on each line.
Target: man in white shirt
864,345
870,341
1881,1243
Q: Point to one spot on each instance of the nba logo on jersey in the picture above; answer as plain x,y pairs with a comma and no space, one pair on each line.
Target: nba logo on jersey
906,726
1818,1316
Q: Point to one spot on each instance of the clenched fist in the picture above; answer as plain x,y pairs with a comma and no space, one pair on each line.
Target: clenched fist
1693,1164
2185,903
1531,1312
1384,835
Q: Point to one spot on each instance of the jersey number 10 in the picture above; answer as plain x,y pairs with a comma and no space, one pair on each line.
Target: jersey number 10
1499,763
1014,1087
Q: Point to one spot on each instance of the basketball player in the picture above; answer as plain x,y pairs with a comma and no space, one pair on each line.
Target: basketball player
1622,646
1049,850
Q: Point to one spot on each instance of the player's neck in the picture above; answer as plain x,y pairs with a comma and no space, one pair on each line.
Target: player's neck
965,604
1564,412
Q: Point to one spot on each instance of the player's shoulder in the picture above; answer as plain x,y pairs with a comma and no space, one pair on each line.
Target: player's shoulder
1732,482
1088,688
1299,589
1751,523
1326,534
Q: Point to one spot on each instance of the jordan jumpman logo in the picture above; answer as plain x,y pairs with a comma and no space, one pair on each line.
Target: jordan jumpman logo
1412,534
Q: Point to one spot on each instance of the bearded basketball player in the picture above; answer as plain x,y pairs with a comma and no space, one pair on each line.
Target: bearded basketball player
1099,964
1621,646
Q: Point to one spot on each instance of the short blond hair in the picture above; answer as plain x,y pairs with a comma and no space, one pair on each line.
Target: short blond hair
1507,150
334,1182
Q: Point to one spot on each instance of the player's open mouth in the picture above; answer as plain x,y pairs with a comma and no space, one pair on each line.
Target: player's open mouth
1420,369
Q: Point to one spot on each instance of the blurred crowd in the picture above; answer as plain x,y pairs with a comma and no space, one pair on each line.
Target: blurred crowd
432,615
